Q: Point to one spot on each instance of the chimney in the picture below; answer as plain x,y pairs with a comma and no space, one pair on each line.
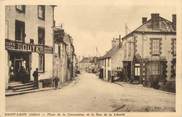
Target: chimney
144,20
113,42
116,41
155,20
119,40
174,21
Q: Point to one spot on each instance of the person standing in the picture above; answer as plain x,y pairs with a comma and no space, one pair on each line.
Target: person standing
56,82
36,79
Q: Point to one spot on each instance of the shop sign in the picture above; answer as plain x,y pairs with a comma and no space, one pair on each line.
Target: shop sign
27,47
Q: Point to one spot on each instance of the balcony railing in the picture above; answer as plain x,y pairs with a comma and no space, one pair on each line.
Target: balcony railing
27,47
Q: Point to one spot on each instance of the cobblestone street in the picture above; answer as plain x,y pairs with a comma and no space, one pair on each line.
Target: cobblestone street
88,93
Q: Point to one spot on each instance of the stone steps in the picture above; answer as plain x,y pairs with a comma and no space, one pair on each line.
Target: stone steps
18,87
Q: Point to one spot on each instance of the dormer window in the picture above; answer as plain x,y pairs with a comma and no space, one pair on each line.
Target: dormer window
41,12
20,8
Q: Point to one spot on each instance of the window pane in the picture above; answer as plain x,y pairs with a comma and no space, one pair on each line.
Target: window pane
155,46
41,12
19,30
137,71
155,69
41,35
19,7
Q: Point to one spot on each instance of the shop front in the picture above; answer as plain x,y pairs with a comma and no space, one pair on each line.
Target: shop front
19,58
20,66
156,73
132,69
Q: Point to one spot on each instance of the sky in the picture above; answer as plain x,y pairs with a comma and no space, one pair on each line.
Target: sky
94,23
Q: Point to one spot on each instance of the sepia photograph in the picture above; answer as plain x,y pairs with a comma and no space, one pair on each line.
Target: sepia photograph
88,56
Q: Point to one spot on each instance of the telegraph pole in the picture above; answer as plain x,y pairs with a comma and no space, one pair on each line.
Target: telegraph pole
126,29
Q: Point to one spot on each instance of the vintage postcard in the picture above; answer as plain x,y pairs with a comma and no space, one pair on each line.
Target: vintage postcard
91,58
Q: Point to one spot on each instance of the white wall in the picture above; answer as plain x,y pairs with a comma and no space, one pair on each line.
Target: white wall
6,69
117,59
106,68
32,22
35,63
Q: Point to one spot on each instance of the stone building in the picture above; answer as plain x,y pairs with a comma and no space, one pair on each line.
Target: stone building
150,51
75,65
146,55
70,50
28,41
111,63
64,55
60,55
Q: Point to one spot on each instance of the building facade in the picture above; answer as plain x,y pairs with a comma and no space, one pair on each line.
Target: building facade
75,65
150,52
64,55
111,62
89,64
146,55
28,41
60,55
70,50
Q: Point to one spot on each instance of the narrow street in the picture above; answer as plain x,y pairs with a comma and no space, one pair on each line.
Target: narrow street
87,93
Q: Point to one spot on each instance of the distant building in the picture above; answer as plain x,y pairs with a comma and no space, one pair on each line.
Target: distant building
85,63
28,41
88,64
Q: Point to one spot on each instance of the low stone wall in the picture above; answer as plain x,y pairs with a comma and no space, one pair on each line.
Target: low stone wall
46,83
169,86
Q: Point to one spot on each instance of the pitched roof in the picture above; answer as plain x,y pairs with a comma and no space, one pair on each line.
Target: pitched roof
86,60
164,26
111,52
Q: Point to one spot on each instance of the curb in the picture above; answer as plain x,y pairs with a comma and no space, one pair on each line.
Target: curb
38,90
33,91
166,92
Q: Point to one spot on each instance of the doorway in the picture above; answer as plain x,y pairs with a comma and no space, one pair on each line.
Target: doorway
137,69
21,64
